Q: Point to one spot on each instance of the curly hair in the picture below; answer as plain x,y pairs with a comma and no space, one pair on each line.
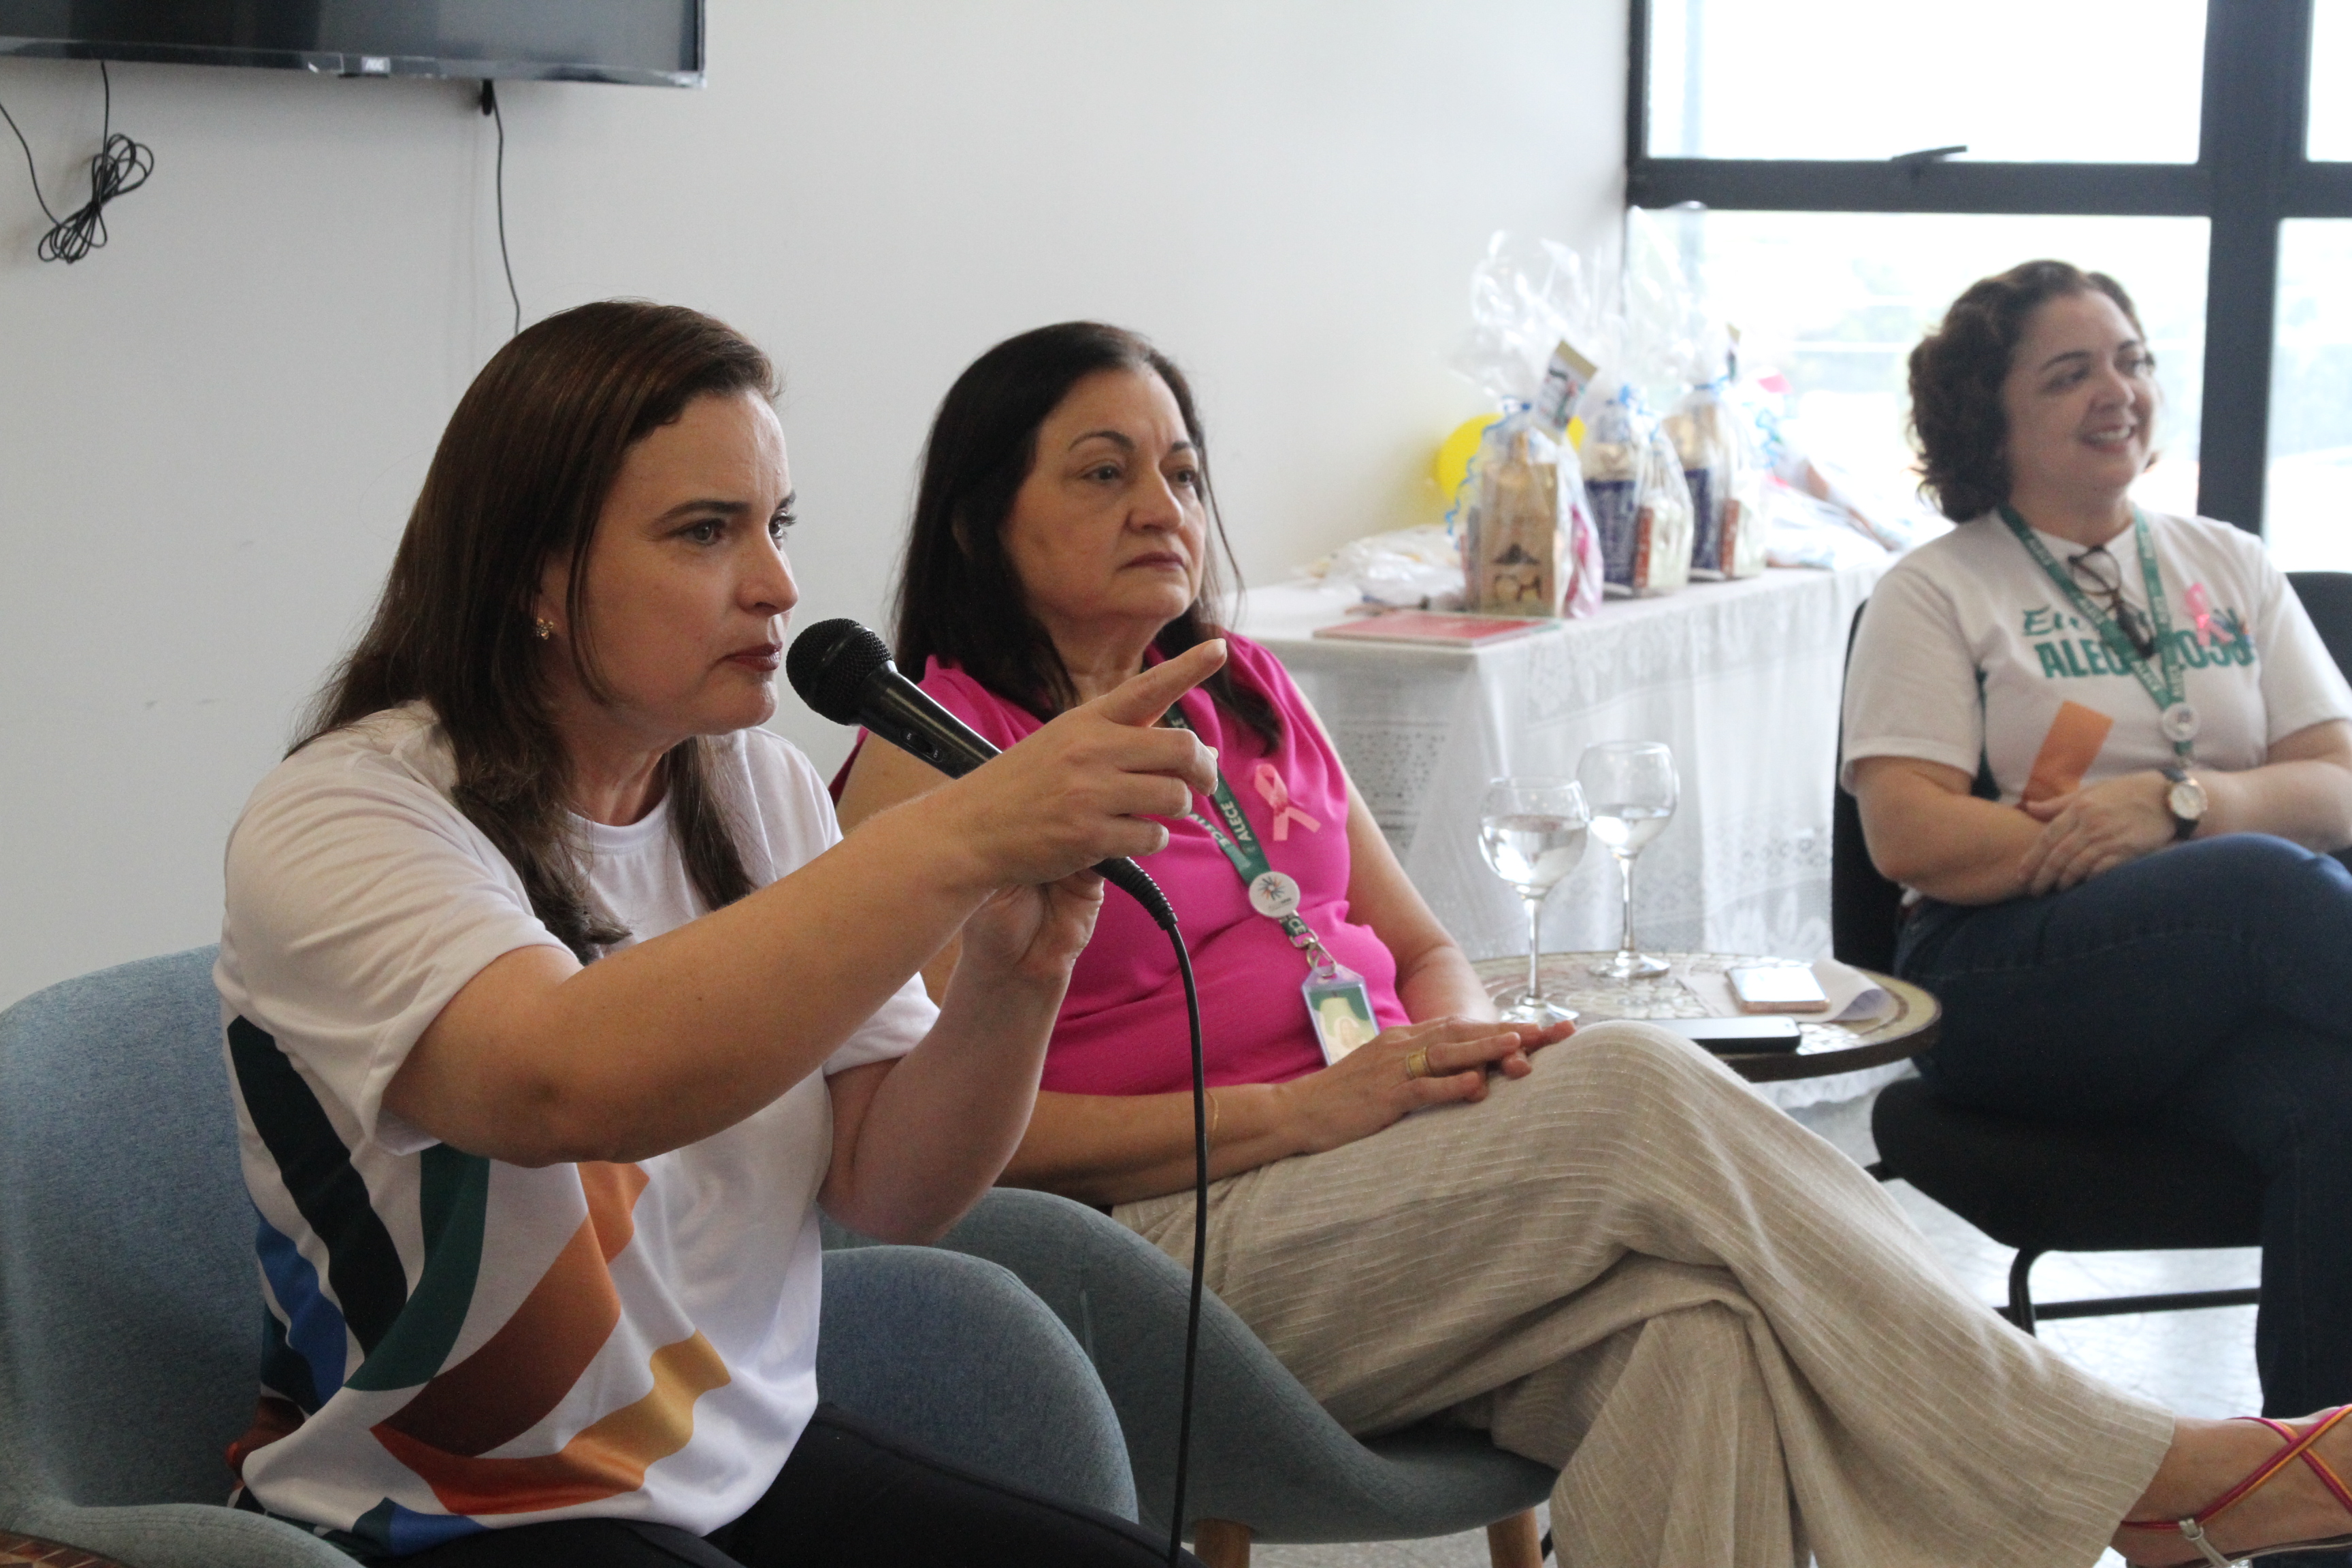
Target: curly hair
1957,373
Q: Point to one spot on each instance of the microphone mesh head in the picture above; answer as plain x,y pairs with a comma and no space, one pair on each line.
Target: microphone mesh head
830,663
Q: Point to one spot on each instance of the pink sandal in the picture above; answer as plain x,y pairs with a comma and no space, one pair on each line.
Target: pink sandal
2298,1446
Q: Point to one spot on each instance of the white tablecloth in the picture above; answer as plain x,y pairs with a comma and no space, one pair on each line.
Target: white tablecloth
1740,678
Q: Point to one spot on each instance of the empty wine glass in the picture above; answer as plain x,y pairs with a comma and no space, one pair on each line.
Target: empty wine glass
1632,786
1532,832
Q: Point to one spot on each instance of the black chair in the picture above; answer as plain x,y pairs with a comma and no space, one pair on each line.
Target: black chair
2327,598
2048,1186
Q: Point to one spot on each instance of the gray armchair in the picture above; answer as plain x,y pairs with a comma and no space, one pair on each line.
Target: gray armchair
1268,1462
129,1305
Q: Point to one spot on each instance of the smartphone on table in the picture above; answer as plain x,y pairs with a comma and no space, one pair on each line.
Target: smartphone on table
1778,988
1736,1036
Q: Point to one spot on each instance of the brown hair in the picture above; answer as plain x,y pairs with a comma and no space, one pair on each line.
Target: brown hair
520,479
1957,373
959,598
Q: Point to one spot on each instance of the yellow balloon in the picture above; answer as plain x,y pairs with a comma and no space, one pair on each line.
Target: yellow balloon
1451,464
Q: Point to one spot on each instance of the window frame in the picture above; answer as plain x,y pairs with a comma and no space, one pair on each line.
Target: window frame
2251,175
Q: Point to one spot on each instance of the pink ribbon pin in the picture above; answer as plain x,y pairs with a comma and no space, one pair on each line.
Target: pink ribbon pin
2200,610
1275,794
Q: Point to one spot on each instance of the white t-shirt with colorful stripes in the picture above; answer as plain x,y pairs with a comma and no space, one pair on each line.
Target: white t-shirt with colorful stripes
454,1343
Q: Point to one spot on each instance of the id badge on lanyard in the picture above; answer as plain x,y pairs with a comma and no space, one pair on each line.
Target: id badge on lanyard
1338,1002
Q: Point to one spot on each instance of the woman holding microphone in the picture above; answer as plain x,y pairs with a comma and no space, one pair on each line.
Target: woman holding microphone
556,1005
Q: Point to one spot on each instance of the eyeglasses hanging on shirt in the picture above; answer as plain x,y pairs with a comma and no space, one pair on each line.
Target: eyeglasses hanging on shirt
2102,578
2166,682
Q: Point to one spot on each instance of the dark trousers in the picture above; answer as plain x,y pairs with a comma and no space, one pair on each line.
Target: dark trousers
2208,989
850,1496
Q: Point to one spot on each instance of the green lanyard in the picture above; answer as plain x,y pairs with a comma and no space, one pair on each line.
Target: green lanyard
2167,691
1339,1001
1271,893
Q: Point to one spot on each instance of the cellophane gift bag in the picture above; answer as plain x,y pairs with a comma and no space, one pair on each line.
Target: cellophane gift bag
1524,529
1725,480
1641,502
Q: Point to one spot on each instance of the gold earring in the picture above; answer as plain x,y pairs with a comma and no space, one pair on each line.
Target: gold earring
543,629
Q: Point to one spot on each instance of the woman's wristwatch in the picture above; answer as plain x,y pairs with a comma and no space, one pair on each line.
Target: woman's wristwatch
2185,798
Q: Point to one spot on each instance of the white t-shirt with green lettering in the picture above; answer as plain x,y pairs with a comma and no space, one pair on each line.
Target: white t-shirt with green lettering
1968,651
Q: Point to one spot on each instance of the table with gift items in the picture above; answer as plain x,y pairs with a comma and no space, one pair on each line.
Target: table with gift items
1637,548
1740,678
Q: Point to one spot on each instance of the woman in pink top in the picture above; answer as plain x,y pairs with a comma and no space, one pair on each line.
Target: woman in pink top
1603,1251
1122,1028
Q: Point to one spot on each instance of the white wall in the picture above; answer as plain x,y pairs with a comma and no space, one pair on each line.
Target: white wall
210,431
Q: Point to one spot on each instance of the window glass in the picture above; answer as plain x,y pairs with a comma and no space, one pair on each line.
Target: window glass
1836,301
2309,494
2023,80
2331,58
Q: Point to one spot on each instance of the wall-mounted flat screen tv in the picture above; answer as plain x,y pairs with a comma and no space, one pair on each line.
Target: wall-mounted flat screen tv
654,42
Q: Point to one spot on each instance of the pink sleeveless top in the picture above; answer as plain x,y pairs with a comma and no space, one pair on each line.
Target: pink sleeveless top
1122,1030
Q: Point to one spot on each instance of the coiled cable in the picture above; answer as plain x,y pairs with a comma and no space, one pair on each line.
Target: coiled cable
119,166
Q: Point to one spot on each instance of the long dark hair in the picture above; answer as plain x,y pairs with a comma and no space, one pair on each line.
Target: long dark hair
518,480
959,598
1957,373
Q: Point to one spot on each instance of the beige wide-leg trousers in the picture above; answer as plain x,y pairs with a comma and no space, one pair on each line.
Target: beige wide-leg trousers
1732,1342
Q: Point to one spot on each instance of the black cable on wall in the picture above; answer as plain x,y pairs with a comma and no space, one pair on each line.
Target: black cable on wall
490,108
122,164
119,167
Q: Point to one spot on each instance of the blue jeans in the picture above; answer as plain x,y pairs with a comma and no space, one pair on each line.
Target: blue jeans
2208,989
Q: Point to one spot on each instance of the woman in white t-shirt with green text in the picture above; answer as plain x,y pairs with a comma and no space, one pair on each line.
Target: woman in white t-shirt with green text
2103,748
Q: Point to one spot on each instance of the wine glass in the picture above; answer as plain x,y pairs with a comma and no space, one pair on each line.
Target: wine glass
1632,786
1532,834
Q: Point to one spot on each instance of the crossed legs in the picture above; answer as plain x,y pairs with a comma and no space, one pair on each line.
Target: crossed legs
1729,1338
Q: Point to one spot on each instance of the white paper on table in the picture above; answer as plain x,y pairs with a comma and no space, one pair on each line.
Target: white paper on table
1854,997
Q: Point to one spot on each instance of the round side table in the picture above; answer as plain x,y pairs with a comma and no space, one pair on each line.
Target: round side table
1824,1047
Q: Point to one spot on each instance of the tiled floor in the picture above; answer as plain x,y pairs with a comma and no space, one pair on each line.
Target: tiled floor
2200,1364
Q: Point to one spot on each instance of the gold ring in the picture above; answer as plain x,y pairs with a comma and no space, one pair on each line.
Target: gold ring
1417,1064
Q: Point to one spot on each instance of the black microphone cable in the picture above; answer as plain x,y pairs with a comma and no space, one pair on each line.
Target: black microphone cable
1165,919
843,672
1200,1240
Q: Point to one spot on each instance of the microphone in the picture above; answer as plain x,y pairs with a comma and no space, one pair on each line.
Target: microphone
842,671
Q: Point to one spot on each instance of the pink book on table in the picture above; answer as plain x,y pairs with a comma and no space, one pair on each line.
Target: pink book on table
1434,626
